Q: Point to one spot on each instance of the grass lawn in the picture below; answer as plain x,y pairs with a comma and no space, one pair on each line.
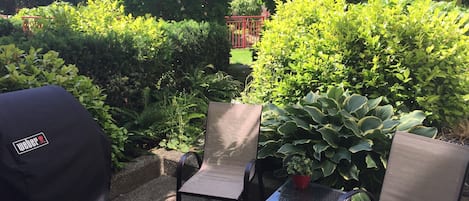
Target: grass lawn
241,56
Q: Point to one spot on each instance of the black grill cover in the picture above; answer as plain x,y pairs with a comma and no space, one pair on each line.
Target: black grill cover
51,149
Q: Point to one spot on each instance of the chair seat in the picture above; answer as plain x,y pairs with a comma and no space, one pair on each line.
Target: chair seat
217,181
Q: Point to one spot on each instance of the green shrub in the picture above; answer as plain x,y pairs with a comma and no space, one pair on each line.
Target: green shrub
22,70
173,113
6,28
348,137
414,53
123,54
197,43
246,7
198,10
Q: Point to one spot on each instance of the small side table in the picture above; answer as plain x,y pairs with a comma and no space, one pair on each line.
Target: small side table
314,192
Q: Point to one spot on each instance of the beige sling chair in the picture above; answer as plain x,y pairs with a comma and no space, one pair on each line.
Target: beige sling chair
230,153
424,169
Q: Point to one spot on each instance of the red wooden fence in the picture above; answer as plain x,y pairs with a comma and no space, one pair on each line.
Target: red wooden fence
244,30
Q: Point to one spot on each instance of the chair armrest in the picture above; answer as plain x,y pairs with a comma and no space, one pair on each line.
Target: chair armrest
181,164
247,173
348,195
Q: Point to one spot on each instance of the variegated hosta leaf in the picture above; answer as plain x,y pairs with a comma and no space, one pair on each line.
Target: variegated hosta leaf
269,148
311,97
424,131
373,103
330,105
370,123
384,112
316,114
327,167
354,103
353,126
290,149
342,153
302,141
362,112
349,172
370,162
330,136
288,128
389,125
362,145
410,120
336,93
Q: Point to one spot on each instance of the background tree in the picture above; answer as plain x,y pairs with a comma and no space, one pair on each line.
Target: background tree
246,7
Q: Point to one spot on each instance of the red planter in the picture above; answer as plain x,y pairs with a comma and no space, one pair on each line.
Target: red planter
301,181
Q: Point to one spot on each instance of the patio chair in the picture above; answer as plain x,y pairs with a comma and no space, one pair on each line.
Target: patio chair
230,152
421,168
51,148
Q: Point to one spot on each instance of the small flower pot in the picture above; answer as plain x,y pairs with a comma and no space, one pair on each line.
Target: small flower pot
301,181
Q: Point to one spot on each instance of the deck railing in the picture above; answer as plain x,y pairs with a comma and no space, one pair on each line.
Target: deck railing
244,30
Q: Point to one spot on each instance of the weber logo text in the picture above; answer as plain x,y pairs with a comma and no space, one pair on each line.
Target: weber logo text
30,143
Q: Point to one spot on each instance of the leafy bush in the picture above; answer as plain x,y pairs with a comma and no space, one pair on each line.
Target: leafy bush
197,43
22,70
173,116
414,53
348,137
198,10
6,28
246,7
123,54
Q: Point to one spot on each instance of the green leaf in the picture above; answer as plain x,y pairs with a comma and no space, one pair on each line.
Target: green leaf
288,128
373,103
329,135
302,141
316,114
424,131
318,149
269,148
370,123
311,97
328,167
335,93
331,106
354,103
384,112
301,124
389,125
290,149
353,126
349,172
370,163
410,120
362,145
341,153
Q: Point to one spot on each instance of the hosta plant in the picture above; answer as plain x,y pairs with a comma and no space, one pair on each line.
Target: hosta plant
348,137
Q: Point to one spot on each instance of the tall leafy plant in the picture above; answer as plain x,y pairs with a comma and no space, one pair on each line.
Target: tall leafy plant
414,53
22,70
348,137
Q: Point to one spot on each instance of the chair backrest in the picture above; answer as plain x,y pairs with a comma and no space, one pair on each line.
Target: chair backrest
420,168
51,148
232,134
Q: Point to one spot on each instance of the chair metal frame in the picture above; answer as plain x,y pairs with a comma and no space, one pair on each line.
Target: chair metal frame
250,166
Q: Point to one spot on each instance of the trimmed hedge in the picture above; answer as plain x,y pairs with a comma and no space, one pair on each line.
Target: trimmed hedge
123,54
414,53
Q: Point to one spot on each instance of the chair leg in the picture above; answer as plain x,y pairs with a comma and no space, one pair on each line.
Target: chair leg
245,194
261,185
178,196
